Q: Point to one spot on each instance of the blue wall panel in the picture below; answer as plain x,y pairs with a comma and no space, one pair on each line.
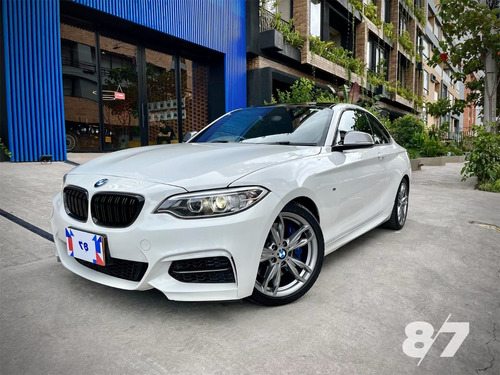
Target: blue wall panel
33,79
216,24
35,107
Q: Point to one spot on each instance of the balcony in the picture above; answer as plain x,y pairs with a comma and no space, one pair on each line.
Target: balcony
272,40
330,67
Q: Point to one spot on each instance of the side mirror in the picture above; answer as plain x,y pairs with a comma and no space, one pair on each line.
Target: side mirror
188,136
355,139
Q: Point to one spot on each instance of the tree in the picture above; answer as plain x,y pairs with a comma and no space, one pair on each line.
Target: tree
471,41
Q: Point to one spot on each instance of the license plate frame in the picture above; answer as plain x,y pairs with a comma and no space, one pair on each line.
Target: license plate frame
86,246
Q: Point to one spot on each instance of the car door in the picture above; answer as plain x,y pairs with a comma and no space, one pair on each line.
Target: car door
387,153
357,177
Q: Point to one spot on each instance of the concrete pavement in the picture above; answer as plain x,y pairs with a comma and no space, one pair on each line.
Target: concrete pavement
352,321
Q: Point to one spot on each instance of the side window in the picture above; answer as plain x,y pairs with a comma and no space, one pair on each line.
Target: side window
379,133
352,121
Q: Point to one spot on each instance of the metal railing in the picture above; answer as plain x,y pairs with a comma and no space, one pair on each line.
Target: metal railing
267,20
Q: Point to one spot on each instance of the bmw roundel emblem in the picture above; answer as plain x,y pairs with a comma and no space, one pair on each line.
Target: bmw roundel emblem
100,182
282,254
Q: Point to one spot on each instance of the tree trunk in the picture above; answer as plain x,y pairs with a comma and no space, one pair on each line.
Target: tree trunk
490,88
491,80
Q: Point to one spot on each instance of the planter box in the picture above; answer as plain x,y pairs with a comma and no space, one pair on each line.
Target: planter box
454,159
330,67
272,41
433,162
416,164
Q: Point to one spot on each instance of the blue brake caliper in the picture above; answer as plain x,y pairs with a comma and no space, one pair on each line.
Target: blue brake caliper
297,252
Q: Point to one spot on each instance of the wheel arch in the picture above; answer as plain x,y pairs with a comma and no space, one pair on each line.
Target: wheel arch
309,204
407,178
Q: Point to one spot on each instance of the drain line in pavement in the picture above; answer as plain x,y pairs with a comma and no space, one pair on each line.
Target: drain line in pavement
26,225
485,225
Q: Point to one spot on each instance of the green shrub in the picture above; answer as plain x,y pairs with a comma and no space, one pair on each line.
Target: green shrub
414,154
490,186
454,150
433,147
420,15
389,31
483,161
290,36
404,128
4,149
406,43
304,90
338,55
425,145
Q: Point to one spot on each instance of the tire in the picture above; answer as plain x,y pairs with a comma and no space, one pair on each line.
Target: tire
400,209
71,141
291,259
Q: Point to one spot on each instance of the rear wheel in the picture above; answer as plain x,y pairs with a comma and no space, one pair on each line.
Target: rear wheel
400,209
291,259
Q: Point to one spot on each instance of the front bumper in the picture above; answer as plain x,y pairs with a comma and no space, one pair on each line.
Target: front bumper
160,239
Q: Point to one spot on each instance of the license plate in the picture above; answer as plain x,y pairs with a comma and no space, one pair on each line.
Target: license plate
85,246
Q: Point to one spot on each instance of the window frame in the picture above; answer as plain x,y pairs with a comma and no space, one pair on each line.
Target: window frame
370,118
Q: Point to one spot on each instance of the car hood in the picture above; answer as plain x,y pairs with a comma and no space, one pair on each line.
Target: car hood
192,166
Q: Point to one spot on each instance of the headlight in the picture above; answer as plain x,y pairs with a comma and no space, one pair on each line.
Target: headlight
64,181
212,203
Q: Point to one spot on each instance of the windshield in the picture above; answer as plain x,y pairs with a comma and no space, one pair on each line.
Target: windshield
286,125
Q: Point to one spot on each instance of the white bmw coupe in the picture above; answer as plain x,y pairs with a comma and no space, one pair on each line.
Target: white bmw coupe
248,207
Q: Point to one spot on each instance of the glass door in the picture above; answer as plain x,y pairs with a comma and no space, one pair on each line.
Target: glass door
81,104
194,93
120,94
161,98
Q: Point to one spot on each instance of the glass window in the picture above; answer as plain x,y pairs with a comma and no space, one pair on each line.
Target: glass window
315,18
352,121
376,56
285,8
369,60
387,11
425,48
403,20
139,103
402,67
379,133
436,29
426,82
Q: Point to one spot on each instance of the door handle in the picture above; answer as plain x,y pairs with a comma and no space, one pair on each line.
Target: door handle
381,156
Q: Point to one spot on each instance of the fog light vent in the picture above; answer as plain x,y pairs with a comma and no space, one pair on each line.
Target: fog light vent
203,270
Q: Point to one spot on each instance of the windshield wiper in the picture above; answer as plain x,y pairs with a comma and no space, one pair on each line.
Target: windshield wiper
288,143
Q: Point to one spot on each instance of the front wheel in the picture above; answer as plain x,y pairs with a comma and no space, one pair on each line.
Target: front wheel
400,208
291,259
